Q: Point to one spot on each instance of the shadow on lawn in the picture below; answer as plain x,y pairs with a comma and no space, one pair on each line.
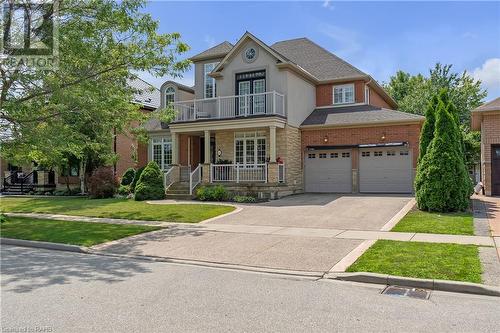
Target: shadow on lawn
28,269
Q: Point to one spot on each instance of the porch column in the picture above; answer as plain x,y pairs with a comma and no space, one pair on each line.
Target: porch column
207,147
272,144
175,148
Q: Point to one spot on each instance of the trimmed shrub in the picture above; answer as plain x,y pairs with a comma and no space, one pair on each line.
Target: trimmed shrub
427,133
136,178
244,199
102,183
150,185
124,189
128,177
212,193
442,182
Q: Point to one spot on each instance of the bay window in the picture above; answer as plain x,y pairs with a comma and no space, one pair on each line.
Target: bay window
343,94
161,152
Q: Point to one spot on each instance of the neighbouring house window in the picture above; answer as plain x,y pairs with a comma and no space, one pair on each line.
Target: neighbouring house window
209,82
250,148
72,168
161,152
343,94
169,95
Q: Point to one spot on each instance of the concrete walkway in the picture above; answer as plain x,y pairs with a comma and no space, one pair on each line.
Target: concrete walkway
283,231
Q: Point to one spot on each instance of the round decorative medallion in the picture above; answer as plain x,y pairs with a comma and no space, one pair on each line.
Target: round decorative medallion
250,54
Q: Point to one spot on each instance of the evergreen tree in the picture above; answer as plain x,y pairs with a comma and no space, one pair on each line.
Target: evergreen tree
442,181
427,133
150,185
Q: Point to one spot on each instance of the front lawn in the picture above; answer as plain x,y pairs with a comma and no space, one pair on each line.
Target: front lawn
114,208
436,223
67,232
421,260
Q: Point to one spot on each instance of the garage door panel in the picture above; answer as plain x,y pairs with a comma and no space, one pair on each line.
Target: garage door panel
387,170
331,173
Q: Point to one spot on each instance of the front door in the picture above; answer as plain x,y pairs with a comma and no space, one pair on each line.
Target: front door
495,169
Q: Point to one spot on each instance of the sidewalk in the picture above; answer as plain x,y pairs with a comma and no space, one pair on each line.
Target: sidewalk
284,231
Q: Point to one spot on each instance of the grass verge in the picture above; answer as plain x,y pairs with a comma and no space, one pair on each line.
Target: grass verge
436,223
114,208
66,232
421,260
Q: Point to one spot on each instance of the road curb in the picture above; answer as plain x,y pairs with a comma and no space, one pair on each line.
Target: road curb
433,284
43,245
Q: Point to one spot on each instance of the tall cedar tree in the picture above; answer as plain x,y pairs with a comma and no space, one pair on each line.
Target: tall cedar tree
442,182
427,133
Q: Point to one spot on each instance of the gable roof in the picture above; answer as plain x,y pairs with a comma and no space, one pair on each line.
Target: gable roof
145,94
493,105
358,115
321,63
179,86
218,51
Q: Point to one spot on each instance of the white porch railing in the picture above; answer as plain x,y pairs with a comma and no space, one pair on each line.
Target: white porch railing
194,178
168,179
227,107
238,173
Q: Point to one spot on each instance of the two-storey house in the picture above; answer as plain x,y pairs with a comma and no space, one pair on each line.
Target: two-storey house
281,119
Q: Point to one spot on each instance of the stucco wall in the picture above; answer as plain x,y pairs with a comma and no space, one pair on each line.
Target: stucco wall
300,99
199,82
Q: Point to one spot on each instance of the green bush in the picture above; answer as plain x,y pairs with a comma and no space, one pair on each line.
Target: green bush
128,177
150,185
244,199
212,193
124,189
442,182
2,218
136,178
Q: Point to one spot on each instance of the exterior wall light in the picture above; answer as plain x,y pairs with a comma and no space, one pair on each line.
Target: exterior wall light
219,153
325,139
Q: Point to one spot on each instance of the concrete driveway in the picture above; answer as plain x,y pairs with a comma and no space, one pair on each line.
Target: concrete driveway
325,211
252,236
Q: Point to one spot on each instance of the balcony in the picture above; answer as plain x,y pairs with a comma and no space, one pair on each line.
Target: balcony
231,107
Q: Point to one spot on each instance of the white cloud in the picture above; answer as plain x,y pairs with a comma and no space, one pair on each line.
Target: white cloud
489,73
346,40
328,4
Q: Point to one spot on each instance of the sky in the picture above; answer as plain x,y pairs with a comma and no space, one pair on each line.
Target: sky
379,38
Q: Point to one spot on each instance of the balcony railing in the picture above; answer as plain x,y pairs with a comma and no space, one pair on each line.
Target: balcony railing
229,107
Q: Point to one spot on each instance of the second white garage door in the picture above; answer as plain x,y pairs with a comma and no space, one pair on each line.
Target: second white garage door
385,170
328,171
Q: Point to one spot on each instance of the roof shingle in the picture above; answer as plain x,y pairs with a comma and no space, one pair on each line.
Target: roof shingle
493,105
218,50
146,94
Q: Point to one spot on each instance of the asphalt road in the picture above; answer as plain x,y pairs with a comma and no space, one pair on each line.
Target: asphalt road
55,291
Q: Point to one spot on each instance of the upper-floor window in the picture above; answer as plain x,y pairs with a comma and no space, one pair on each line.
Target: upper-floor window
209,82
169,95
343,94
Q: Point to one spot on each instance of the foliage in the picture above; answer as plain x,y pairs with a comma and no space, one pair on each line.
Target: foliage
124,189
114,208
421,260
75,109
472,147
150,185
414,92
427,132
102,183
2,218
136,178
69,232
442,182
436,223
244,199
212,193
128,177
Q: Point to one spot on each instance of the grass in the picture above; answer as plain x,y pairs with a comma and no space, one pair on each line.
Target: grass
67,232
114,208
436,223
421,260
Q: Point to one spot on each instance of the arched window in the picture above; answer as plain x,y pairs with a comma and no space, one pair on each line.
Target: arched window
169,95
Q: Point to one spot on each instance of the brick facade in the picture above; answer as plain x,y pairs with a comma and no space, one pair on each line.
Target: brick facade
377,100
324,93
490,135
364,135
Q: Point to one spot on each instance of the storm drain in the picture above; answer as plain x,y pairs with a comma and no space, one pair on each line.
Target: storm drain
407,292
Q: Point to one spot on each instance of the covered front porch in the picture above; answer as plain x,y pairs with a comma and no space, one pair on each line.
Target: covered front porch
234,153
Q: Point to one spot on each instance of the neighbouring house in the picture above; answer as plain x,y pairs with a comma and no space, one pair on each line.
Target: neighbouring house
131,153
273,120
486,118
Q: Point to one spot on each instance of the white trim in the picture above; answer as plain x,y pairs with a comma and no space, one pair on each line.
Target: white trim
169,94
343,86
339,106
367,95
255,137
164,141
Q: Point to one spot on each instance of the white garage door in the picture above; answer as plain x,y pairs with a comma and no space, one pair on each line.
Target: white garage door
328,171
385,170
